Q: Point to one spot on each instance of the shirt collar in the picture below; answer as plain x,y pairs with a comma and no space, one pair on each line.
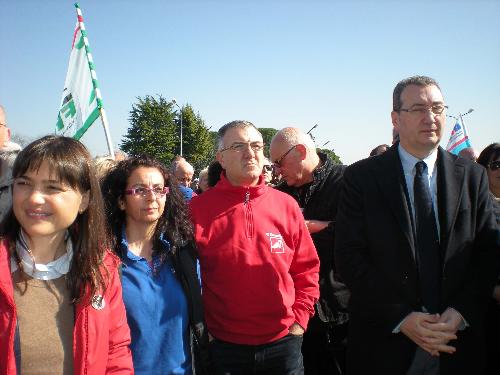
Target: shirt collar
49,271
408,161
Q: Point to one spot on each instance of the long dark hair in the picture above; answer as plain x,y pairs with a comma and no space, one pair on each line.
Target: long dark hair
174,223
72,164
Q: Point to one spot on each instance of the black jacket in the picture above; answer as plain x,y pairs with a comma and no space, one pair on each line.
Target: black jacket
319,200
374,254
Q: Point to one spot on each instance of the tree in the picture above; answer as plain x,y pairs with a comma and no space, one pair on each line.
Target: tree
155,130
197,144
267,135
152,129
335,158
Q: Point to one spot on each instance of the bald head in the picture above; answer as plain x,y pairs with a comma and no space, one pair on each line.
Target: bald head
294,154
183,171
4,130
468,153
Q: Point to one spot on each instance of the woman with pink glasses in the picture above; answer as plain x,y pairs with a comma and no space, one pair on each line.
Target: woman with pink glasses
161,290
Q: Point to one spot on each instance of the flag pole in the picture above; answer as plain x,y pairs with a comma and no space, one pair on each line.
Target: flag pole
95,85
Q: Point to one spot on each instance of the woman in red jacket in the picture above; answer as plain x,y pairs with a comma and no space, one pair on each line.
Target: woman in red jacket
61,308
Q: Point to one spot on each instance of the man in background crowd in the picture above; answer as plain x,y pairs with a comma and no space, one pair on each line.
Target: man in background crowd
8,153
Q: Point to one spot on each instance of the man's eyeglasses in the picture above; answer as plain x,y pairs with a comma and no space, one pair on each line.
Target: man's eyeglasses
4,125
242,146
494,165
421,110
267,168
142,191
277,163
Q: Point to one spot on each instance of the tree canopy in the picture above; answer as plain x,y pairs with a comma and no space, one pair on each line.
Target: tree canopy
155,130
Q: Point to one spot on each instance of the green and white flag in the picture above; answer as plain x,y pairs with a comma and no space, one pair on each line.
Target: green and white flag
81,99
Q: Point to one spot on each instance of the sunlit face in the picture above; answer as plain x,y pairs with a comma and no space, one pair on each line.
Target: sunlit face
184,176
148,209
243,167
494,178
419,133
288,163
44,206
203,183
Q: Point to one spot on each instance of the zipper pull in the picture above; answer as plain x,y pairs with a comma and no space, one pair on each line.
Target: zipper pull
247,197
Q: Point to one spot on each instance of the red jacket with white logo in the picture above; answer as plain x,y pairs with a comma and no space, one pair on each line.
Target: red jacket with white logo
101,338
259,267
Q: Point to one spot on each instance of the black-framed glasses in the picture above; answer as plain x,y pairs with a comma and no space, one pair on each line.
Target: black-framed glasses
494,165
267,168
421,110
143,191
277,163
242,146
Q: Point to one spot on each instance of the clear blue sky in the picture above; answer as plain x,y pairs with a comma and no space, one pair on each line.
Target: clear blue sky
275,63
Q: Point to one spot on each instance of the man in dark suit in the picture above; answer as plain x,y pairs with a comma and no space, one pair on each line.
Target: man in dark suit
418,247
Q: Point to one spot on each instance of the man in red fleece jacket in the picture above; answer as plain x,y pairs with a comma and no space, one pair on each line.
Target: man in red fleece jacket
258,263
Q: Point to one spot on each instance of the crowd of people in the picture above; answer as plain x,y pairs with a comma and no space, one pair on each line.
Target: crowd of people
290,264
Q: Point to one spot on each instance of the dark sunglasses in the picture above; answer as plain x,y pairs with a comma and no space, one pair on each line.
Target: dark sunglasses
267,168
494,165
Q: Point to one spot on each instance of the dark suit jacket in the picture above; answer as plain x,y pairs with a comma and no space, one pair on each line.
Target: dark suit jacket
375,257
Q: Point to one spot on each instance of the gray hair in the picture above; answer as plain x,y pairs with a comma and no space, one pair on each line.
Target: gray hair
422,81
294,136
232,125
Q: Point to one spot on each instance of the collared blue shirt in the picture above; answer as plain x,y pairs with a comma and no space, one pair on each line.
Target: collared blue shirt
157,313
408,162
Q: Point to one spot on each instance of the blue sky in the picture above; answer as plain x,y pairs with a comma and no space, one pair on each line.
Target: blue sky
275,63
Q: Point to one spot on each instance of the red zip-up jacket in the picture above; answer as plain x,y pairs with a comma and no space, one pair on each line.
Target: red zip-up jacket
101,338
259,266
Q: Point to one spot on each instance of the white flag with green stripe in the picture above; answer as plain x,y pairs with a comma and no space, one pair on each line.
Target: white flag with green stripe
81,99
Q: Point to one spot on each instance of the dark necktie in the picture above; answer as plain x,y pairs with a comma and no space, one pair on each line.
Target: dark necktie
427,241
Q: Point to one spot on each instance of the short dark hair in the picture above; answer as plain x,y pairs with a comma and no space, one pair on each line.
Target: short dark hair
422,81
214,171
231,125
490,153
380,149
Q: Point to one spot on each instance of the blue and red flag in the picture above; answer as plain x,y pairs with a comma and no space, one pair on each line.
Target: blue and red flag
459,139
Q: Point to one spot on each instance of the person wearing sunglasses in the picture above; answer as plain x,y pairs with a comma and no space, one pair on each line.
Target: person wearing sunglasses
315,182
490,159
267,171
153,237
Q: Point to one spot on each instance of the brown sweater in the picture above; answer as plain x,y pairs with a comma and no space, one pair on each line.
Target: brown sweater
45,317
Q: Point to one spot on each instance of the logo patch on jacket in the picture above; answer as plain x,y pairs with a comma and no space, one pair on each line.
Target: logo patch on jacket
98,302
276,241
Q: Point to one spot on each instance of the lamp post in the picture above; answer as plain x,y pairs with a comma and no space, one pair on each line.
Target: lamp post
310,130
461,115
180,115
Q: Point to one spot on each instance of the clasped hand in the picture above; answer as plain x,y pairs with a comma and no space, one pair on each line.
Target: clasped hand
433,332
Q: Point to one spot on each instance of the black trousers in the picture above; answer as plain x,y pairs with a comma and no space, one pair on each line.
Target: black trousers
324,348
281,357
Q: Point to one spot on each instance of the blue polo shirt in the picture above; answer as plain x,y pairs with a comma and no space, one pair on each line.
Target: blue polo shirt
157,314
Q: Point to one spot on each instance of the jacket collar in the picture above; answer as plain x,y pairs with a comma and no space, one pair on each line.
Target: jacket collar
253,191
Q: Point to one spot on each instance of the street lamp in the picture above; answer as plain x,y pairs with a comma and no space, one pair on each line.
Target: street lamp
324,144
180,115
310,130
